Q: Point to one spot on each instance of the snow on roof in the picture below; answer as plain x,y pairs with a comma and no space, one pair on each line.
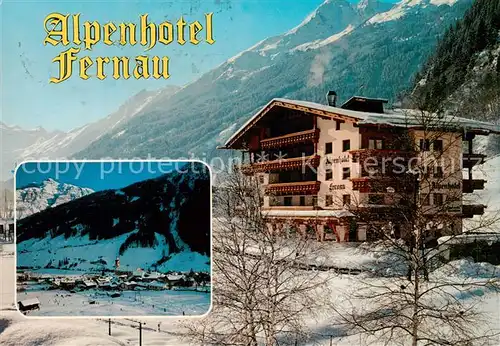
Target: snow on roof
308,213
468,238
29,302
174,277
397,117
355,97
153,275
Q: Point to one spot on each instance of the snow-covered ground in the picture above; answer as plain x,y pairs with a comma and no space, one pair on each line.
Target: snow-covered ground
85,254
16,329
130,303
13,326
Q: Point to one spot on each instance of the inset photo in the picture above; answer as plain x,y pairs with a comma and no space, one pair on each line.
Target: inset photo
113,238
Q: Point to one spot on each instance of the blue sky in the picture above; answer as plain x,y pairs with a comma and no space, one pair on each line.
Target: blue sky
29,100
95,175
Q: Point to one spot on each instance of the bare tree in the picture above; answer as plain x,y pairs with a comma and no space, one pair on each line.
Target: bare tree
423,299
262,288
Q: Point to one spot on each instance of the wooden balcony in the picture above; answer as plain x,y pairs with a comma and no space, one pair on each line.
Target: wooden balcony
470,160
281,165
468,186
295,188
290,139
361,184
398,184
362,154
469,211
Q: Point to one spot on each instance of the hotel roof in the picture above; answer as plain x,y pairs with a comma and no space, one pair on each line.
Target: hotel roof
408,118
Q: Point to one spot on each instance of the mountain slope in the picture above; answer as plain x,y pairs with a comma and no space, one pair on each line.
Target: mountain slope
37,197
162,222
14,140
464,69
19,145
340,46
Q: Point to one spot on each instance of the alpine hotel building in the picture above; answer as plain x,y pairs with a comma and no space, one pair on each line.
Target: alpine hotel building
311,161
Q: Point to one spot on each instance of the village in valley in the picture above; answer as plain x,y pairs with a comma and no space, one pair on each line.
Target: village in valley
103,287
130,256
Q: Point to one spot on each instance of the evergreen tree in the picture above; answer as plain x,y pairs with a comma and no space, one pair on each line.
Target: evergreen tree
457,51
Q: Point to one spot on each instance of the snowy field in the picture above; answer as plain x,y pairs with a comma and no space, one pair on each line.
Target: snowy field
130,303
16,329
324,327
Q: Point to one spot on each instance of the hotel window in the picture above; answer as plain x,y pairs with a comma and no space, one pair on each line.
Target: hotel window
346,173
375,144
328,148
375,199
346,199
302,200
337,126
438,172
425,144
315,201
346,145
288,201
328,200
423,172
261,179
329,174
438,199
426,200
438,145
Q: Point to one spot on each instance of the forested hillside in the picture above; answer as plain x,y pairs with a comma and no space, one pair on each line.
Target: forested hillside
167,218
370,48
464,73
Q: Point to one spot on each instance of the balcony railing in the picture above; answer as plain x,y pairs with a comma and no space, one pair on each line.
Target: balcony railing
470,160
281,164
302,188
382,184
361,184
473,209
469,186
290,139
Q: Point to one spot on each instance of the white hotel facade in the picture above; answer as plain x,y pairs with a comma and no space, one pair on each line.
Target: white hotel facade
322,166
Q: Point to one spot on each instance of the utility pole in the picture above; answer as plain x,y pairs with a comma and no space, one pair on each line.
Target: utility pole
109,329
140,333
140,329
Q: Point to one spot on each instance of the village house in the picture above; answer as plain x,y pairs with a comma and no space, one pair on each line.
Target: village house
310,160
153,276
174,279
67,284
28,305
156,285
86,283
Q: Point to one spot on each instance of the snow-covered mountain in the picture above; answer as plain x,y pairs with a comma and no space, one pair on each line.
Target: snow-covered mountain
19,144
370,48
14,140
37,197
161,223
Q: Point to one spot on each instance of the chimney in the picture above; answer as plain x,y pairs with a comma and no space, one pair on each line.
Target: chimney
331,98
